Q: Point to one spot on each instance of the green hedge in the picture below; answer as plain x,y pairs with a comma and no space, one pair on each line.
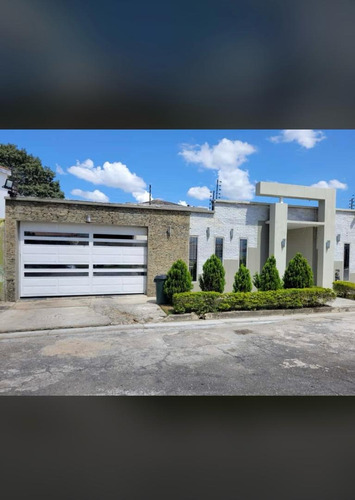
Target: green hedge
344,289
291,298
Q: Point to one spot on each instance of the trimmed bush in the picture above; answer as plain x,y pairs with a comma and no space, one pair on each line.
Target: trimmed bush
178,280
298,273
291,298
344,289
269,279
212,279
199,302
242,280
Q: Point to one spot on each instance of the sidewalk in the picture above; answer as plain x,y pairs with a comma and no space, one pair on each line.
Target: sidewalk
81,312
77,312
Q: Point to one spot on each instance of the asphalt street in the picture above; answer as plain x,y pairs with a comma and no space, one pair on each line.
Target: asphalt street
274,355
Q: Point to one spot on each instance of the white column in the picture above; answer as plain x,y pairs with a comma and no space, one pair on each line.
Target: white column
326,241
278,235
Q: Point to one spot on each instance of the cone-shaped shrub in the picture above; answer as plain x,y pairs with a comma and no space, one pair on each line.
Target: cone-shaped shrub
178,280
269,276
212,279
257,281
242,280
298,273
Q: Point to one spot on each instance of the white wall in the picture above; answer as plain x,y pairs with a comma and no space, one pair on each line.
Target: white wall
345,226
243,218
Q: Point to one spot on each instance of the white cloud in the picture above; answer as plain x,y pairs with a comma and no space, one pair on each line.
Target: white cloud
141,196
200,193
225,154
236,185
59,170
306,138
334,184
225,157
114,174
183,203
95,195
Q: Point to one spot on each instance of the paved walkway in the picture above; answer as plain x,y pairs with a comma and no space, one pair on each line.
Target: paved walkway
82,312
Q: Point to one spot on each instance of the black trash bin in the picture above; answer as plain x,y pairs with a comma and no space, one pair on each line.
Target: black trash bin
159,285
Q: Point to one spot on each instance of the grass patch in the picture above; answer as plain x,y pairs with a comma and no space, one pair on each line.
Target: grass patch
167,309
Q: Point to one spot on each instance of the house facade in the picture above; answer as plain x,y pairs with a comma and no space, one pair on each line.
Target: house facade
63,248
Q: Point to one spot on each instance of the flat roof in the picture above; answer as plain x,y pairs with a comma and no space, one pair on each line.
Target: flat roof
235,202
175,208
261,203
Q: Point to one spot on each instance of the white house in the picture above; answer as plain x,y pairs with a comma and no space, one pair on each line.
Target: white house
248,232
4,174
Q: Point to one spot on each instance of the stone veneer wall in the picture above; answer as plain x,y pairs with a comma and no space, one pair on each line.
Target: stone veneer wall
162,250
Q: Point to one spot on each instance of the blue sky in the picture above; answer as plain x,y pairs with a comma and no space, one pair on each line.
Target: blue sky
183,165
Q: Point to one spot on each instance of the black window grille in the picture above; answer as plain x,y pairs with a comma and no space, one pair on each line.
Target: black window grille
193,257
243,248
219,248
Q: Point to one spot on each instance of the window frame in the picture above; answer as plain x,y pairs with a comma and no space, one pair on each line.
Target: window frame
193,236
347,268
215,247
246,257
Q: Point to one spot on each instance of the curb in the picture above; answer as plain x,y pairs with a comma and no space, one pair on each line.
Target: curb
178,318
259,312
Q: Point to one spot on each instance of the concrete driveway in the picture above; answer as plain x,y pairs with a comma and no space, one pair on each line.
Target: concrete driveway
69,312
275,355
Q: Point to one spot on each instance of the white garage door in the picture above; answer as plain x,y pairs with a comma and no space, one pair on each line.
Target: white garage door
81,259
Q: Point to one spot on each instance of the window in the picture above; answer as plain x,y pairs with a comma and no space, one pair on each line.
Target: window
346,261
243,248
193,257
219,248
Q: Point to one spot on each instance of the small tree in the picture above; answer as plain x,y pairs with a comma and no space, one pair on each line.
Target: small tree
178,280
242,280
298,273
269,277
257,281
212,279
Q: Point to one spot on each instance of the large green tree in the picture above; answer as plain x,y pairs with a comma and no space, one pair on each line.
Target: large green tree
31,178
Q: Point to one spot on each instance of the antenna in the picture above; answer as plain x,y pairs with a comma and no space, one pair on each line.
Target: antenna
215,194
218,189
150,194
212,198
352,202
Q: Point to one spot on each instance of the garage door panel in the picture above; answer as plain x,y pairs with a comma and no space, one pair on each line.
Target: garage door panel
119,288
48,250
119,252
69,259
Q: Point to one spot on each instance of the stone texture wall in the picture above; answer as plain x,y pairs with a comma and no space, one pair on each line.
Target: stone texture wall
304,213
162,250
